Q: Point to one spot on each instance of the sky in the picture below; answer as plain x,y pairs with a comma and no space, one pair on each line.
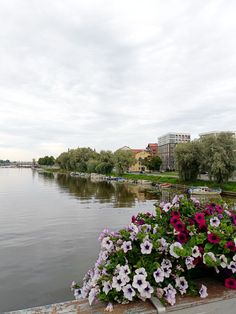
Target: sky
105,74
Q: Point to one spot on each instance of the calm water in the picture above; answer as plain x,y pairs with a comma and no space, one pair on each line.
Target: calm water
49,230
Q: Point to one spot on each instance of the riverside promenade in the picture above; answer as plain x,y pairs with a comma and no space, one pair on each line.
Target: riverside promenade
220,300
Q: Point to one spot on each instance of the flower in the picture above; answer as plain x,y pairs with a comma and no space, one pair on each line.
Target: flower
141,271
179,226
175,213
129,292
203,291
200,218
214,222
154,231
196,252
174,220
163,245
169,294
223,261
159,275
106,286
167,207
182,284
173,246
189,262
78,294
231,246
182,238
92,295
109,307
126,246
124,270
139,282
166,263
146,247
147,291
212,238
230,283
207,256
118,282
232,267
107,244
166,271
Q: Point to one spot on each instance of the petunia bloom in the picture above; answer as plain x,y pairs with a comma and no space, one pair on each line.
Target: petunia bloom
230,283
212,238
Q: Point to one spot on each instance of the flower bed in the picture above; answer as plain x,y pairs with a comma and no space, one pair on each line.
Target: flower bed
161,254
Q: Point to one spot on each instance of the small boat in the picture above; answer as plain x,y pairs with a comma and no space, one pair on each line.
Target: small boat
165,185
204,190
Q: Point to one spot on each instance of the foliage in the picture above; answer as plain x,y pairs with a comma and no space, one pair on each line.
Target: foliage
46,161
161,254
123,159
219,156
152,163
188,160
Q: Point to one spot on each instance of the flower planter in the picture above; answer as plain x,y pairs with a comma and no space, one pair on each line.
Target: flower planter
220,300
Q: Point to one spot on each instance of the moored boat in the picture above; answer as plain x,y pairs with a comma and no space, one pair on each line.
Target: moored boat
204,190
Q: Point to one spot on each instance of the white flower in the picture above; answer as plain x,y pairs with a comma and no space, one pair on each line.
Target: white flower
175,200
126,246
189,262
139,282
78,294
163,245
215,222
124,270
158,275
106,286
146,247
109,307
147,291
118,282
196,252
172,249
181,284
211,255
166,263
141,271
92,295
104,255
223,261
203,292
167,207
146,228
133,227
154,231
107,244
232,266
234,258
129,292
166,271
170,293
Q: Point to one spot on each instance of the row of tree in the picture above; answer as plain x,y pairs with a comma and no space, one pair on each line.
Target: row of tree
46,161
214,155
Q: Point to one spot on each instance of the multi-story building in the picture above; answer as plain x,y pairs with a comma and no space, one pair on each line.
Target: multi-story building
233,133
166,147
152,148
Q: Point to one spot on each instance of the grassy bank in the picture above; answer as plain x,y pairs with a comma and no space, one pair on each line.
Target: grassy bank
230,186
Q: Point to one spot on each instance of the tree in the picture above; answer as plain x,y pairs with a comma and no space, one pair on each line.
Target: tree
152,163
46,161
123,159
106,162
188,160
219,156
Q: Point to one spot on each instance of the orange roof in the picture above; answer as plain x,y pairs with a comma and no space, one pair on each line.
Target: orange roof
135,151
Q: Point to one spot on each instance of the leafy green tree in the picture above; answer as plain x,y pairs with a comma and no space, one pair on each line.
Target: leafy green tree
91,165
188,160
46,161
123,159
219,156
152,163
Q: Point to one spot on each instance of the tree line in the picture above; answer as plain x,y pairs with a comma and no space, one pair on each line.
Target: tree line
214,155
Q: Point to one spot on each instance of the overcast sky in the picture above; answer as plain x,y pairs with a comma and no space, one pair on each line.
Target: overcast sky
105,74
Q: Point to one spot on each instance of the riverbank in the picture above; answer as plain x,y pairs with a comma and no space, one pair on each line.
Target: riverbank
166,178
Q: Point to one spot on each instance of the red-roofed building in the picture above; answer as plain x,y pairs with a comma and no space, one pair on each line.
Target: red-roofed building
152,148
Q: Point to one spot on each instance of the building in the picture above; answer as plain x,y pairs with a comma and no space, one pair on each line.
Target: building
139,154
166,147
152,148
201,135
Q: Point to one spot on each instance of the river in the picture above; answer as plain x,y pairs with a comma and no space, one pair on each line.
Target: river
49,230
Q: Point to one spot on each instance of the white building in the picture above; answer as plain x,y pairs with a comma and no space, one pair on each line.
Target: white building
233,133
166,146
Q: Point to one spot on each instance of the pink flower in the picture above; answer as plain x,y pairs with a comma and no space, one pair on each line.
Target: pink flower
231,246
175,213
200,218
212,238
174,220
182,238
230,283
179,226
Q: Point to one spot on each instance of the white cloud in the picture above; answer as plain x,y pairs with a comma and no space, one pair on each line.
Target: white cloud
111,73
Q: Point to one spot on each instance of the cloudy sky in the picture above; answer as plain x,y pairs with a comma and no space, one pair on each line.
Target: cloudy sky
105,74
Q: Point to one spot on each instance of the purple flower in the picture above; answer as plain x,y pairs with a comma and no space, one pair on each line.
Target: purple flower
146,247
126,246
147,291
158,275
203,292
139,282
129,292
